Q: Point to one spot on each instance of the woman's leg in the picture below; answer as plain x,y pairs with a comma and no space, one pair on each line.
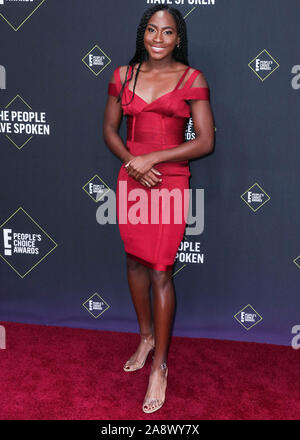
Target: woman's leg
163,311
139,284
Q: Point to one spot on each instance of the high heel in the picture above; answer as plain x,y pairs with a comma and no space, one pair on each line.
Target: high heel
148,403
134,366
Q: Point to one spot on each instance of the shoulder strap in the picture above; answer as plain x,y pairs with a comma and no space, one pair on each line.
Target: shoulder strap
128,76
201,93
182,78
114,88
117,75
192,78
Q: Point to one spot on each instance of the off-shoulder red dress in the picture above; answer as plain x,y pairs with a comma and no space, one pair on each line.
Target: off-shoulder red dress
150,236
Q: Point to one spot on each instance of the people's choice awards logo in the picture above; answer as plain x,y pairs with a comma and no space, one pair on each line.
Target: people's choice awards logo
263,65
248,317
96,188
255,197
96,305
17,12
96,60
23,243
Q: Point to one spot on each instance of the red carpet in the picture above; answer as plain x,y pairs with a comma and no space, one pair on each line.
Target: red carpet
65,373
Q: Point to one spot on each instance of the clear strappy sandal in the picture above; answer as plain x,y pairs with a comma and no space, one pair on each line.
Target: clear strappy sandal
135,365
158,403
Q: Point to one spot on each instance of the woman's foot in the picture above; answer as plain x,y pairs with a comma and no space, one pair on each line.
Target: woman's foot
138,359
155,396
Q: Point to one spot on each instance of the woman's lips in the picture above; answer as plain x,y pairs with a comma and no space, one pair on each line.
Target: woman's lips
157,49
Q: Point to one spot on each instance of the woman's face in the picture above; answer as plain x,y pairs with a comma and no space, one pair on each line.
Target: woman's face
161,36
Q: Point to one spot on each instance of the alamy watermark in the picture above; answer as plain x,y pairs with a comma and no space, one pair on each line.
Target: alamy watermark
2,337
149,202
295,343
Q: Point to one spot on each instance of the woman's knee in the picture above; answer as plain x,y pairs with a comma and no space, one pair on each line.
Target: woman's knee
160,278
135,265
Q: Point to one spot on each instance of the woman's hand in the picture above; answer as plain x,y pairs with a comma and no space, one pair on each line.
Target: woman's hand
141,168
139,165
149,178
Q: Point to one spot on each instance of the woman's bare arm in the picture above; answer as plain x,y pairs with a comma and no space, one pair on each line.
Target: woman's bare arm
204,130
113,115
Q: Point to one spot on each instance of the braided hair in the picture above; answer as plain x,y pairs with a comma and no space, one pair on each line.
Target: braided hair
179,53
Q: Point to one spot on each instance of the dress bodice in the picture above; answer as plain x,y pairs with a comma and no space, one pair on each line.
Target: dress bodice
160,124
174,103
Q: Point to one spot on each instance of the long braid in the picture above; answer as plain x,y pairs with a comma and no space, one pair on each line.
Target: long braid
179,54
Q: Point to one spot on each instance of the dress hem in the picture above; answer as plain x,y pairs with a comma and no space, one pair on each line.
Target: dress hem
155,266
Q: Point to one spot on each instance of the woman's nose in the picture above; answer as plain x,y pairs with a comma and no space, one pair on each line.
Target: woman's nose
158,37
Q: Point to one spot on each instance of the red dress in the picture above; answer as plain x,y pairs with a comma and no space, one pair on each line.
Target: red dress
150,236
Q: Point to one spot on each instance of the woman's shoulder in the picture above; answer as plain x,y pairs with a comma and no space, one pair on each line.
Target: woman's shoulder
196,77
119,74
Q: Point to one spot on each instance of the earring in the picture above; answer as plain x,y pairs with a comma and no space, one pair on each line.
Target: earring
178,45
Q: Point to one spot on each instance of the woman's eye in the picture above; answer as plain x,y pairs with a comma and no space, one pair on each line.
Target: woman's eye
167,32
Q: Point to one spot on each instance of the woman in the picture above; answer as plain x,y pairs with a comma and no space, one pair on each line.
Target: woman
158,92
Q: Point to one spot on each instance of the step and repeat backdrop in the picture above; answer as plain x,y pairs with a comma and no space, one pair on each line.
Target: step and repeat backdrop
237,277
